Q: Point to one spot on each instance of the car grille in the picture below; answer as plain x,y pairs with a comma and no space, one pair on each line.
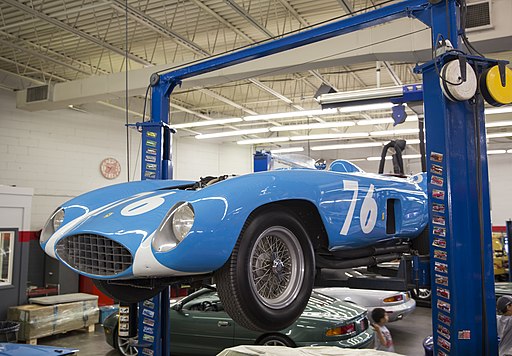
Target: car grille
94,254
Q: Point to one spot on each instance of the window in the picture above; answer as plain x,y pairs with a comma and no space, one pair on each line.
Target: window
6,256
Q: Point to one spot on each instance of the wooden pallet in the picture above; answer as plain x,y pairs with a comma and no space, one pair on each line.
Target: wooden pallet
89,329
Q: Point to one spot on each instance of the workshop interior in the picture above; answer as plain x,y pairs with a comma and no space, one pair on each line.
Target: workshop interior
255,177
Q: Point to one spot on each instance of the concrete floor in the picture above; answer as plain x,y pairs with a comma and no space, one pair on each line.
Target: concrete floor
408,335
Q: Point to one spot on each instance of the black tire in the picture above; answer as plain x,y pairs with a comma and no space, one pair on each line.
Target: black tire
272,251
121,344
276,340
125,294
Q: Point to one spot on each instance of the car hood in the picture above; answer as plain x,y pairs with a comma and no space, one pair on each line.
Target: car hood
323,307
118,212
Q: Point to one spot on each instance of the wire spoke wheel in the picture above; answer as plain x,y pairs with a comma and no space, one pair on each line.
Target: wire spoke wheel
276,267
267,281
125,346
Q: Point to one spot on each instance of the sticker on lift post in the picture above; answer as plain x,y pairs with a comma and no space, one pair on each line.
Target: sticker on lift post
443,292
438,208
444,319
436,157
441,353
439,242
436,169
444,306
440,254
464,334
435,180
440,267
445,344
444,332
440,220
147,352
438,194
440,231
442,280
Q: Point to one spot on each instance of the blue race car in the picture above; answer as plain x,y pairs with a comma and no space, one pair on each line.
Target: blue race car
264,236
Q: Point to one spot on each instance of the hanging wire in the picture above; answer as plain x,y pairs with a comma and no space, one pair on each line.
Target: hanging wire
126,91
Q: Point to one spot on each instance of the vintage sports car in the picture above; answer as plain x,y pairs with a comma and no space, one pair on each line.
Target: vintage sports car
264,236
200,326
397,304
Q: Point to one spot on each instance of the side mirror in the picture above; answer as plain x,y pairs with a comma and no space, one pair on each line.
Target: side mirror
178,306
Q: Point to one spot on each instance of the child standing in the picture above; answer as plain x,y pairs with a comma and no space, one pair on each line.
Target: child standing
504,306
383,340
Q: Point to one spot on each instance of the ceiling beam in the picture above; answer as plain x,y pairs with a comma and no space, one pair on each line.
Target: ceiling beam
226,100
222,20
68,28
42,56
248,17
156,26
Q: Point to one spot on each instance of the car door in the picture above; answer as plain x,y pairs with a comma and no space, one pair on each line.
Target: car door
201,327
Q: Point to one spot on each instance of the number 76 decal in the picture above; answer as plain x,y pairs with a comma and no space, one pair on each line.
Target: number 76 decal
368,212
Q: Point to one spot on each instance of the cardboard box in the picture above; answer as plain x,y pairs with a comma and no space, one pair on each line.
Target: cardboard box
43,320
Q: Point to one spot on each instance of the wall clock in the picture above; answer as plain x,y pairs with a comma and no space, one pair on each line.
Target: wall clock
110,168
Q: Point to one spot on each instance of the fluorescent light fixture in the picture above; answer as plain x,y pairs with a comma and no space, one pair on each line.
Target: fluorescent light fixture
496,152
387,120
417,155
343,146
319,125
263,140
207,123
498,124
395,132
232,133
499,110
361,95
285,115
368,107
499,134
288,150
509,151
330,136
414,156
377,158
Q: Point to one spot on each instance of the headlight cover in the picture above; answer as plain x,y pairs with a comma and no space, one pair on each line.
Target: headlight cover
52,225
174,228
182,221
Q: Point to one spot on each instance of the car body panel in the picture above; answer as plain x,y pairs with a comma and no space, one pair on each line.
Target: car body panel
12,349
352,207
199,332
371,299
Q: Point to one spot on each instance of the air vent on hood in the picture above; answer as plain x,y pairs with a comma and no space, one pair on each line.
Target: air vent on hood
478,15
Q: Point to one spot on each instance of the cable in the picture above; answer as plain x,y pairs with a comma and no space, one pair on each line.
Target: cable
126,93
479,182
145,101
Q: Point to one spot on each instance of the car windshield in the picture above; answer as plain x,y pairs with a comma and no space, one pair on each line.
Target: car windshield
292,160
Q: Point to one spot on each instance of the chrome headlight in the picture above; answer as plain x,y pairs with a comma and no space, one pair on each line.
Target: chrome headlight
52,225
174,228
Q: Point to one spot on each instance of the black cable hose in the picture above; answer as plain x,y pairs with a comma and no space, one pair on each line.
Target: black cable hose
479,180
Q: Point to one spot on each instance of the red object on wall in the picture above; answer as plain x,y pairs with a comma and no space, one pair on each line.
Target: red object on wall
87,286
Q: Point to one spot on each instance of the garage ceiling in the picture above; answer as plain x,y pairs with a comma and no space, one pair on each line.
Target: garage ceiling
57,41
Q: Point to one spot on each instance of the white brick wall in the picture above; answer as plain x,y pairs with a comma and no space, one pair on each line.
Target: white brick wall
58,153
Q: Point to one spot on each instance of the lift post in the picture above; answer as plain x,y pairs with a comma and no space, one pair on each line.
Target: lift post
463,310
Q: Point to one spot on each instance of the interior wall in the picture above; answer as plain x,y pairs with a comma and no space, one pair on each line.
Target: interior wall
58,153
500,173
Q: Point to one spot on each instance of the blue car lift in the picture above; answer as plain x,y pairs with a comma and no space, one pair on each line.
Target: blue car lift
463,302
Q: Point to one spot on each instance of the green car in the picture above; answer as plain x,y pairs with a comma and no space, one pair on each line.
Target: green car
200,326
